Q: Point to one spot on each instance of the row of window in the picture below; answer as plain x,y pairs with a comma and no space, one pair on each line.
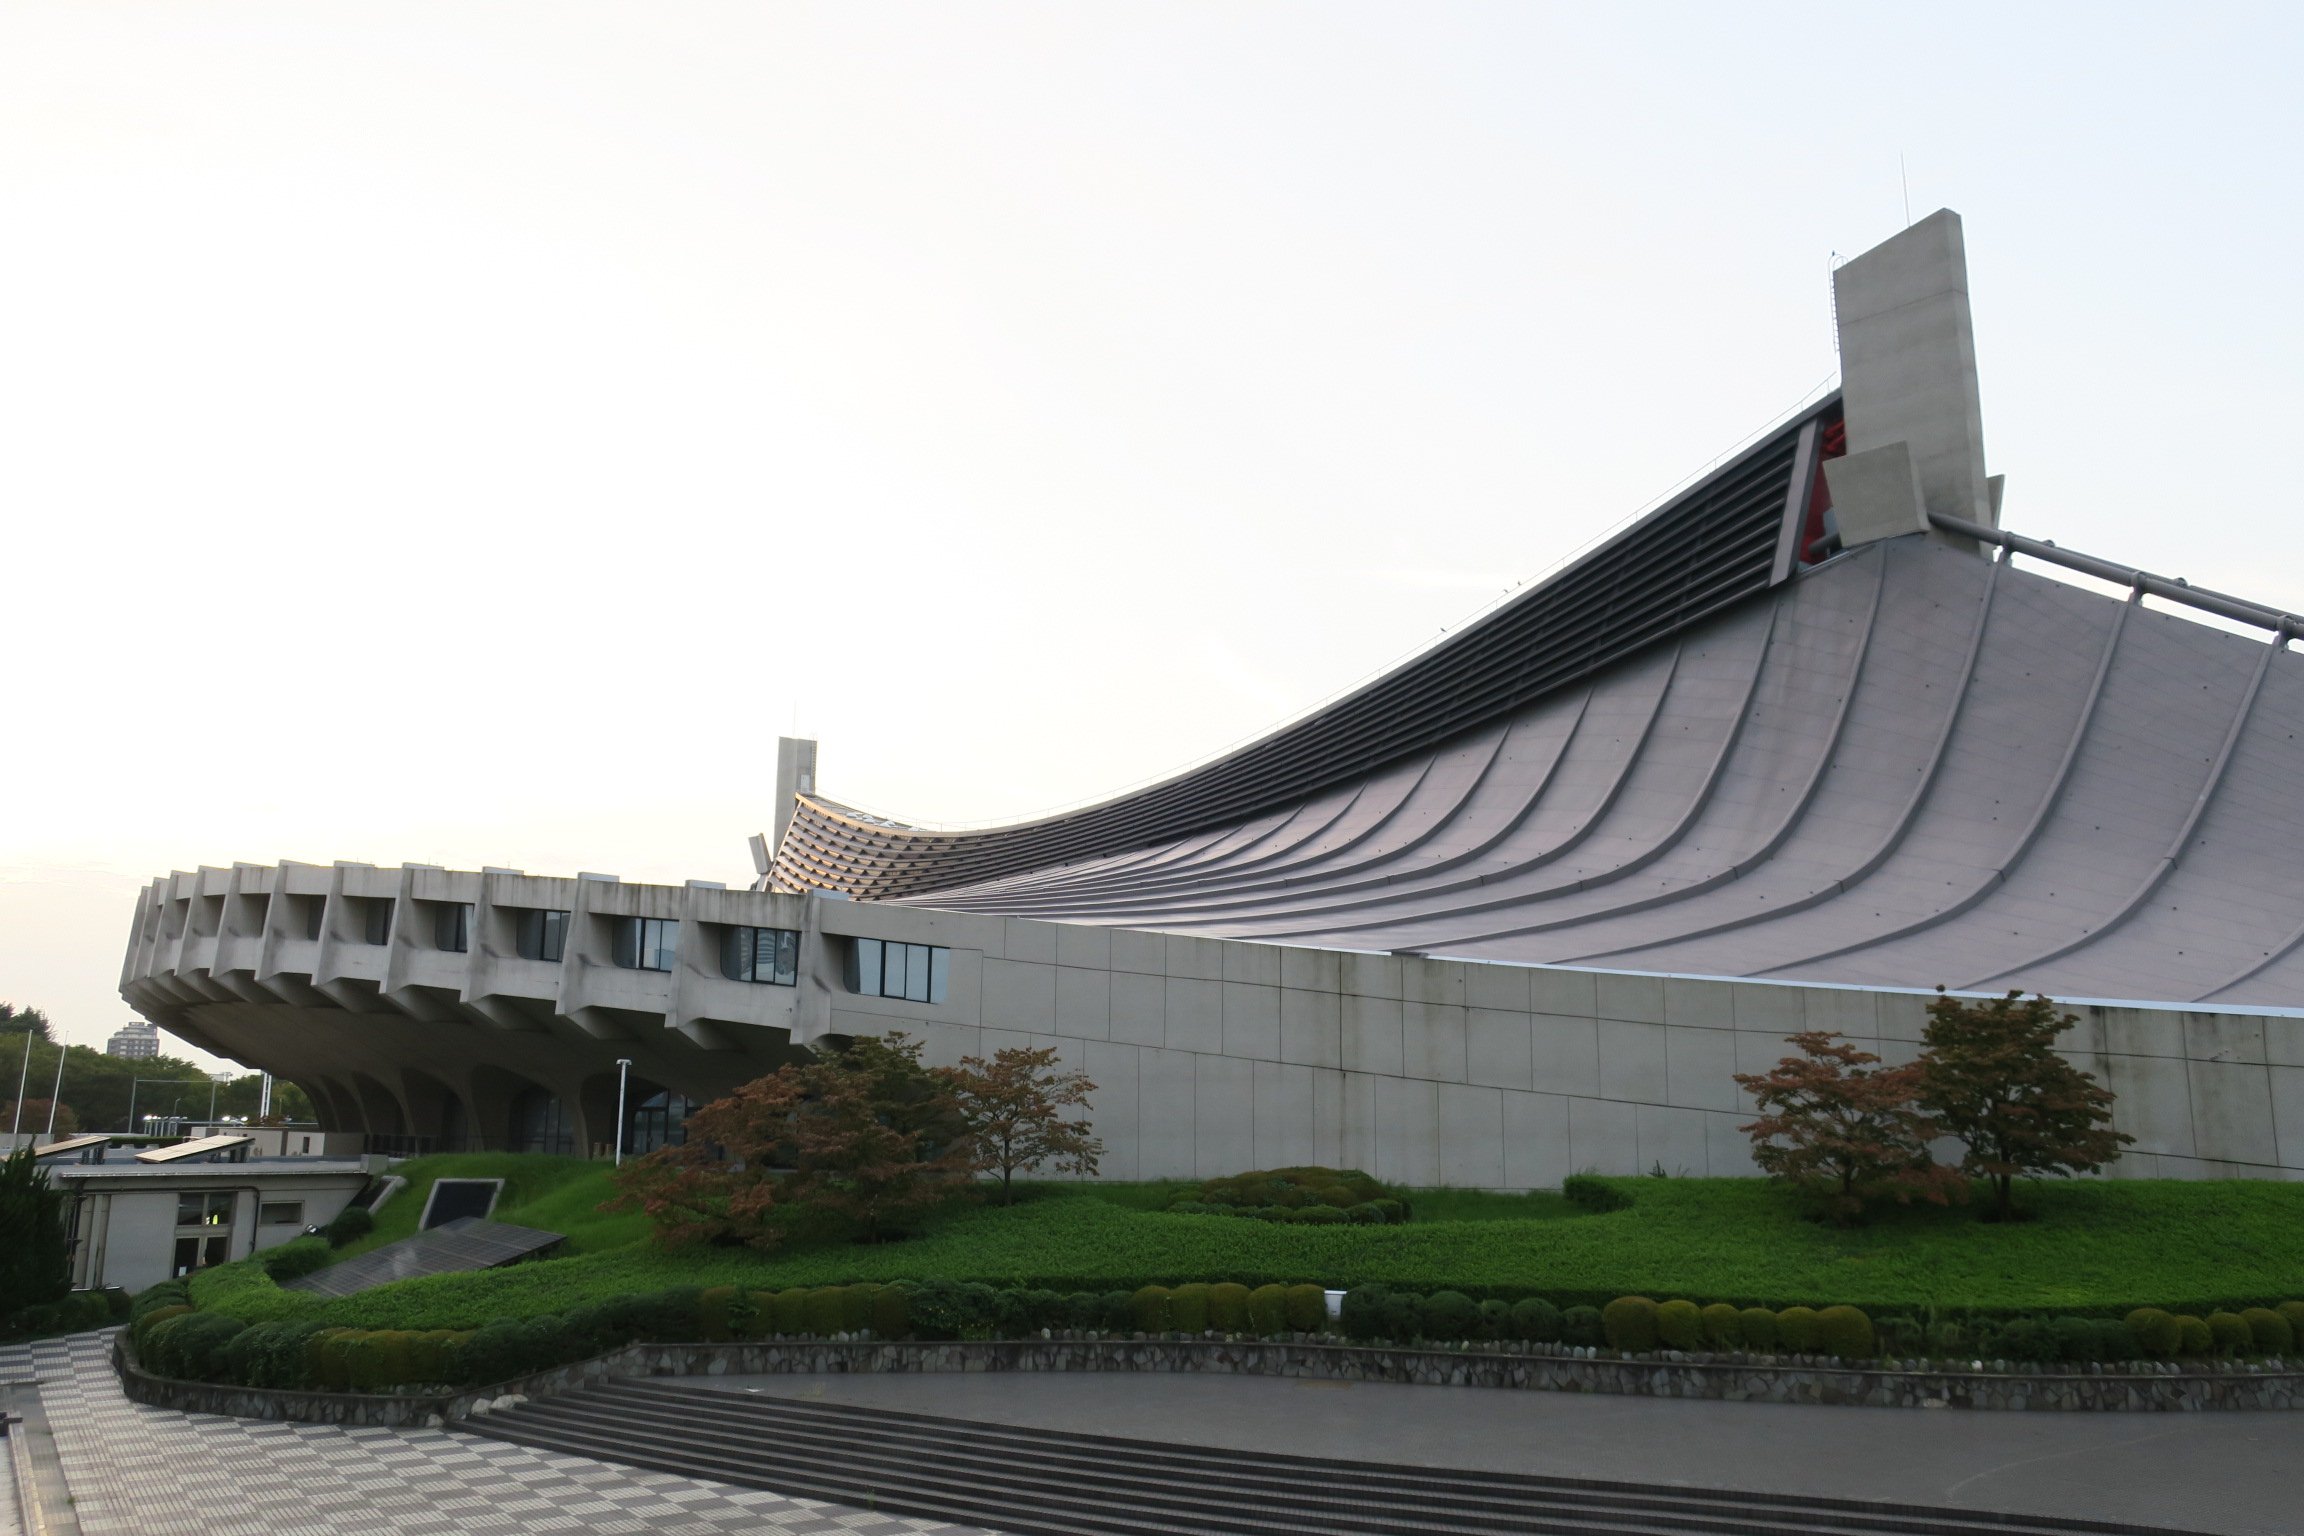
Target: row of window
915,973
770,955
646,943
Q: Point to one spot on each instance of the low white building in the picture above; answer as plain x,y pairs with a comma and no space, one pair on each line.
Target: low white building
134,1224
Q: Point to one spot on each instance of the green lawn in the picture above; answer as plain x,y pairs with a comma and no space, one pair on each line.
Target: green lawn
2094,1246
557,1194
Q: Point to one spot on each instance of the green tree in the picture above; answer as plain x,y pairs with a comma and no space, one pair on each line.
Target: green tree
862,1137
33,1268
1846,1129
15,1021
1017,1107
1992,1077
97,1087
36,1115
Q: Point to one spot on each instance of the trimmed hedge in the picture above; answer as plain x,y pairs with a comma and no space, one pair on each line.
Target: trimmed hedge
1594,1194
1680,1325
73,1312
175,1339
1307,1196
349,1225
297,1257
1630,1323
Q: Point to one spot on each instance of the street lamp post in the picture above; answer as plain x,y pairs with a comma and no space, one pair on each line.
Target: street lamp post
135,1083
623,1076
57,1091
16,1121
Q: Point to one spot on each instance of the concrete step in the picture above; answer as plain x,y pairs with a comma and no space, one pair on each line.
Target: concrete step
1173,1480
1781,1511
1046,1483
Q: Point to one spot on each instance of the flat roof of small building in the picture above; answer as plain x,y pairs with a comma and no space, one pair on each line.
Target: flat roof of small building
255,1170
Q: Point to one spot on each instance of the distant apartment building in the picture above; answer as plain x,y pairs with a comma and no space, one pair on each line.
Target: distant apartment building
138,1042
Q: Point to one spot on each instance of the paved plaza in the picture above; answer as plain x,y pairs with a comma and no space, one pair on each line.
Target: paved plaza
137,1471
157,1472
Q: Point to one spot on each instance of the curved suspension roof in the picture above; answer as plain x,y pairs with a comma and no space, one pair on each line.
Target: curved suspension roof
1725,540
1908,766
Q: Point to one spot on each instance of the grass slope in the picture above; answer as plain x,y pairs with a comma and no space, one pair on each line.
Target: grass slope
2094,1246
557,1194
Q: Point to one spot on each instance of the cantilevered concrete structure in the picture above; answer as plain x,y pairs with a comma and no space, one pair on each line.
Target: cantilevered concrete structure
1802,744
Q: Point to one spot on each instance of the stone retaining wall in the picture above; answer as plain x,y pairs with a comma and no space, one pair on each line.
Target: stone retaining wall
1726,1378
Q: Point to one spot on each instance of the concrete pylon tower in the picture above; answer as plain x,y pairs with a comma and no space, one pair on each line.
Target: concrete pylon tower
1908,387
795,775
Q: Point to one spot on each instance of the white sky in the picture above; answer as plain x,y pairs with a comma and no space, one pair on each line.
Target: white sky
472,433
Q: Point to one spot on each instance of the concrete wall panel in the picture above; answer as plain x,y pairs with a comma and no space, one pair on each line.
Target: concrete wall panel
1223,1116
1018,995
1471,1135
1538,1152
1252,1020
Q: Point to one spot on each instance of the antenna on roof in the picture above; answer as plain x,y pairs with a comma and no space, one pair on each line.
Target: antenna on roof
1905,177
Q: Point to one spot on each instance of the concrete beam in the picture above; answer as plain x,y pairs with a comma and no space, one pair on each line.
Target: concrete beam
1876,494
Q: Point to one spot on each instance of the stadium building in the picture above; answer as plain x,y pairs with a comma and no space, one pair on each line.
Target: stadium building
1810,739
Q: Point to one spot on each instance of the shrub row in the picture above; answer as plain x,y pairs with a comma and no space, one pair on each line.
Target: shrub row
1313,1196
295,1258
174,1339
73,1312
1373,1312
349,1225
1636,1324
1593,1193
1366,1213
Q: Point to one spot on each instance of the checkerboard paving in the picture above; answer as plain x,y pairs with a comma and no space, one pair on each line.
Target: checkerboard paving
8,1525
138,1471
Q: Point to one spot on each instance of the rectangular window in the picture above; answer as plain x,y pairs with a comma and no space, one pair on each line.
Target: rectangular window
376,919
917,973
205,1209
281,1213
543,935
647,943
452,926
770,955
314,907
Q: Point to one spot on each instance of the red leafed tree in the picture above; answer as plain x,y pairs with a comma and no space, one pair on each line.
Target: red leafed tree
1836,1123
862,1137
1992,1077
34,1115
1017,1106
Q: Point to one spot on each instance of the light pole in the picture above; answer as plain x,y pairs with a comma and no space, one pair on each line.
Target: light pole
57,1092
135,1083
16,1122
623,1075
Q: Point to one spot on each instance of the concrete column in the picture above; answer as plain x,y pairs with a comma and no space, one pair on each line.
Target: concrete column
1908,367
795,775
